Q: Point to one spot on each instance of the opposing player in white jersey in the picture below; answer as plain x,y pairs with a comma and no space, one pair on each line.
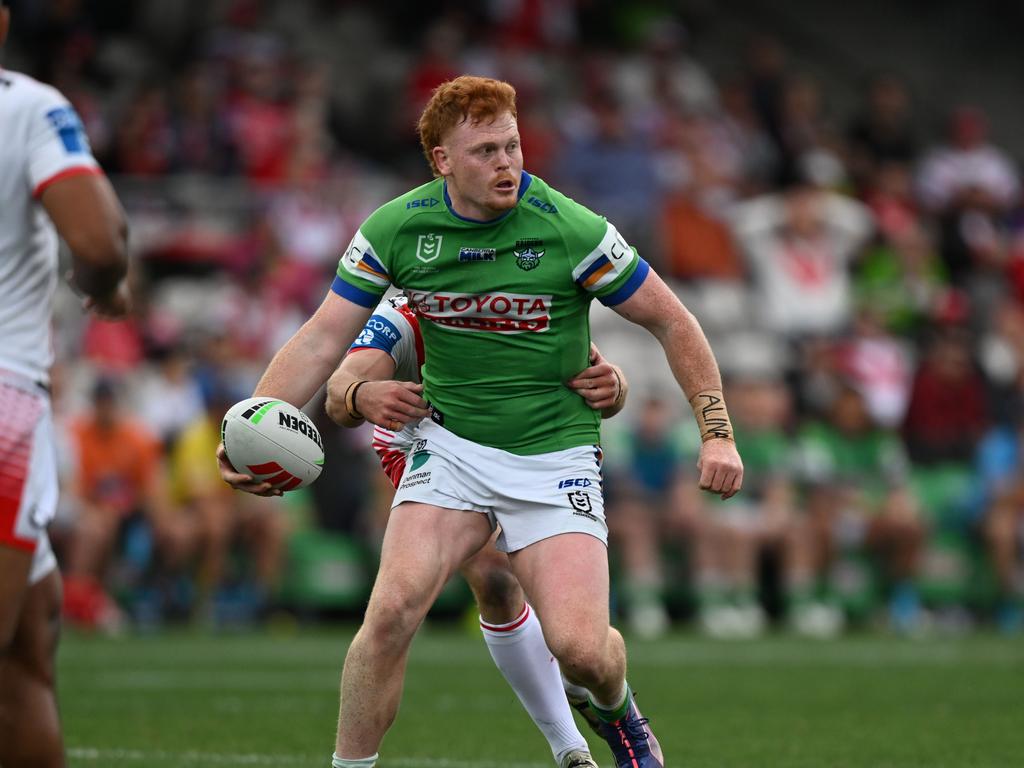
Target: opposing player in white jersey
48,177
384,363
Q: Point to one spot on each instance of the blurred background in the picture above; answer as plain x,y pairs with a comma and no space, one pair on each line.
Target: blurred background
833,191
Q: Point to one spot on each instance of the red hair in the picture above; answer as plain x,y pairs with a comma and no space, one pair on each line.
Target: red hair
465,98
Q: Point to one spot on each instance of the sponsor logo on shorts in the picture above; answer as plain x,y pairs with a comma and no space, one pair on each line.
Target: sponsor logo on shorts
419,459
575,482
581,506
477,254
415,478
496,312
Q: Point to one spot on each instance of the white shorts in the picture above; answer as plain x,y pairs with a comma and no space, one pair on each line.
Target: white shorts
28,472
530,497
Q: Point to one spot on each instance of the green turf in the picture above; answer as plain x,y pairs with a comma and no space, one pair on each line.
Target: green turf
271,699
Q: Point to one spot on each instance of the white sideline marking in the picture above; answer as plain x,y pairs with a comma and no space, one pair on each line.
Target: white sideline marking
217,758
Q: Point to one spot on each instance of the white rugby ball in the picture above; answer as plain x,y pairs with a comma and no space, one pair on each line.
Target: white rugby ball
273,441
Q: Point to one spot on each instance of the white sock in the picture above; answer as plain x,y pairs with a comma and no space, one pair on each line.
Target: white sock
522,656
362,762
575,693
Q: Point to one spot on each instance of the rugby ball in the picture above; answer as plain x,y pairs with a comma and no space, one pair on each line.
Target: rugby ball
273,441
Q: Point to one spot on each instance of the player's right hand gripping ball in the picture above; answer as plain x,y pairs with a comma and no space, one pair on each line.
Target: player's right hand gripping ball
273,441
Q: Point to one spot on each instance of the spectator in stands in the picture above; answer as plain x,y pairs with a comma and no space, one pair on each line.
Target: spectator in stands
662,73
764,526
882,133
879,364
857,496
970,184
948,409
651,500
699,182
799,247
201,136
1001,472
219,517
119,495
626,196
168,395
259,119
144,142
901,279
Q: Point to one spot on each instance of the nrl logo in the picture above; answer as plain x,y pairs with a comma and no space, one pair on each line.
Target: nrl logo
528,256
428,247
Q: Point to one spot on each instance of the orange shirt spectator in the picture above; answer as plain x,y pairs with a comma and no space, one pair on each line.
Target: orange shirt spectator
117,463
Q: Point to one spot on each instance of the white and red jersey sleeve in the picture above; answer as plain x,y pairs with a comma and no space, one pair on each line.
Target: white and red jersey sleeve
41,141
394,328
57,145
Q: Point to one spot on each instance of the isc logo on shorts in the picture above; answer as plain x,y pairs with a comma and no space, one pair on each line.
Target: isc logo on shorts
575,482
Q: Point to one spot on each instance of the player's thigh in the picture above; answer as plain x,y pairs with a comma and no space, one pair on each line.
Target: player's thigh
566,580
423,546
14,570
35,642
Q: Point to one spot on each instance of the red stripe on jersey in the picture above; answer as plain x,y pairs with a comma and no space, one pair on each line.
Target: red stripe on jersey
22,411
414,322
78,170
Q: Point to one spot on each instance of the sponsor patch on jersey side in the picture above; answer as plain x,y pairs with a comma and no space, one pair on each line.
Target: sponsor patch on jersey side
379,333
69,127
490,312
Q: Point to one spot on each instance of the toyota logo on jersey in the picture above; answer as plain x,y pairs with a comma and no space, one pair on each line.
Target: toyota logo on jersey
494,312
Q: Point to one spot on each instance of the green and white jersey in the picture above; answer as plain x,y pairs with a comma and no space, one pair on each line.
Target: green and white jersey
503,307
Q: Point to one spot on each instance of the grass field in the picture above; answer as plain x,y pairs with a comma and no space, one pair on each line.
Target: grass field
270,699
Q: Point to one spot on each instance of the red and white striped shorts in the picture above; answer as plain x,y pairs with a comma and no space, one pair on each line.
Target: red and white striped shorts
28,471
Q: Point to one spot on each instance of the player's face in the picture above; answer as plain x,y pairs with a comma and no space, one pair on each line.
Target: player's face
482,163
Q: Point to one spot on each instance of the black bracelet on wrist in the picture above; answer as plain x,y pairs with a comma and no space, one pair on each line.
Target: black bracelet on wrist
350,400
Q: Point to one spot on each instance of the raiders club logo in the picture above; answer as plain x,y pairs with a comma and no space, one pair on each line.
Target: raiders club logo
528,253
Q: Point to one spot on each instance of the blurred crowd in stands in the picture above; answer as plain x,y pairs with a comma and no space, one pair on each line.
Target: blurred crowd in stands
860,276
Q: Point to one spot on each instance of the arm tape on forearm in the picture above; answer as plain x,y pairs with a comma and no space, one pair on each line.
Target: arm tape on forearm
712,417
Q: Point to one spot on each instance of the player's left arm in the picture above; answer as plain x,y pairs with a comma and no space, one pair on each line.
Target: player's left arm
656,308
603,384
